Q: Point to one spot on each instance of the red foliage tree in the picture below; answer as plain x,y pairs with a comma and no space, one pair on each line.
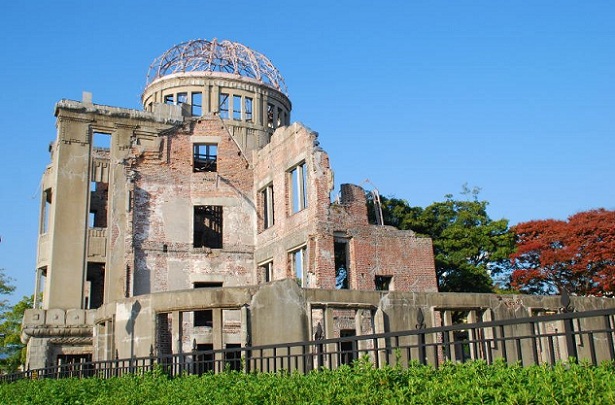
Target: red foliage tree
578,255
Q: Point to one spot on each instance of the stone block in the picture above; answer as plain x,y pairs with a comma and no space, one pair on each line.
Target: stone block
56,317
75,317
34,317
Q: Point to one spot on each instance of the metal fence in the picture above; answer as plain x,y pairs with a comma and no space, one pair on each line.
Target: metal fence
584,336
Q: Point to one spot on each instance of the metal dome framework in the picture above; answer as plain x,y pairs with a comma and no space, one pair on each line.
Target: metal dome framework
201,55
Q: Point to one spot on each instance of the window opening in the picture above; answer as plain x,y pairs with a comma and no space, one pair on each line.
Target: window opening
340,249
95,287
99,194
182,98
74,365
204,361
279,118
205,317
169,99
270,115
92,219
237,108
208,226
208,284
205,157
266,272
297,264
223,106
101,140
197,104
298,178
267,213
46,211
232,357
347,348
248,108
383,283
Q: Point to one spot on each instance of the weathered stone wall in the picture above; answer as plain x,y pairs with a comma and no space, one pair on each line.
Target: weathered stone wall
167,189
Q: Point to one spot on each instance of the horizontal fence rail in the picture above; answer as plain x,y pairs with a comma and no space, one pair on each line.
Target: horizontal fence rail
587,336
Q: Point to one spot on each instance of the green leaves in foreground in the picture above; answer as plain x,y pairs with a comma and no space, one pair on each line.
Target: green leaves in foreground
469,383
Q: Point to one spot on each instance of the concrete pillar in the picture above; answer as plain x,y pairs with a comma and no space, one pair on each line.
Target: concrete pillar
176,330
218,337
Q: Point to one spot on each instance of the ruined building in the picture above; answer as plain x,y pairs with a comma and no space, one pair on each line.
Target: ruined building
169,227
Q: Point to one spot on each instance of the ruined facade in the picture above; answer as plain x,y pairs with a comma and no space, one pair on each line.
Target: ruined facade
158,227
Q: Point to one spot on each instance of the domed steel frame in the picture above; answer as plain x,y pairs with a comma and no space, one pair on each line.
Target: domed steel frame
201,55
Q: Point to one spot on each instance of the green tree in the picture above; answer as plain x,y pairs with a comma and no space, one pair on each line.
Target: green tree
12,351
469,247
6,288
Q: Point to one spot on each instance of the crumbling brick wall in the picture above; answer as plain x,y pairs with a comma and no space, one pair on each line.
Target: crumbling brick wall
166,191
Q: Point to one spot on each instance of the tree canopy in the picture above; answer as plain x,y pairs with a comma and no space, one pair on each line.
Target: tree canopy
469,247
8,345
577,254
12,351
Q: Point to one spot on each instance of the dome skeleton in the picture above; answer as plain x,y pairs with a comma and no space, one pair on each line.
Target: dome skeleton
225,56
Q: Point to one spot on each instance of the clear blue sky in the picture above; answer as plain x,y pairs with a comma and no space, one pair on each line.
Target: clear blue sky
515,97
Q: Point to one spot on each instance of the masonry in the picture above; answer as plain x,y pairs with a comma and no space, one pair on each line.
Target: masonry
210,187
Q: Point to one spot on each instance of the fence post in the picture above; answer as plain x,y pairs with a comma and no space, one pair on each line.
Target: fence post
569,325
420,325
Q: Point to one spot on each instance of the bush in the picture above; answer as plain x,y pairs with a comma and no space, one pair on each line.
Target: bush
468,383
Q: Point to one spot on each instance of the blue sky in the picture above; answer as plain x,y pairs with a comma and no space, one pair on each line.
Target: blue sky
419,97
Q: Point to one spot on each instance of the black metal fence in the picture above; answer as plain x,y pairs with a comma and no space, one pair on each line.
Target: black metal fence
584,336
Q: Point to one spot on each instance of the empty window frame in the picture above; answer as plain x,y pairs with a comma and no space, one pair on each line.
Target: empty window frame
266,272
237,108
298,187
340,249
223,105
92,218
95,285
232,357
46,211
383,283
169,99
248,108
298,261
279,118
208,226
101,140
197,104
205,157
205,317
205,359
182,98
267,208
270,110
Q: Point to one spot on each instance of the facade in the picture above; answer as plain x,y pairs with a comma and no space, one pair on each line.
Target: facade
161,228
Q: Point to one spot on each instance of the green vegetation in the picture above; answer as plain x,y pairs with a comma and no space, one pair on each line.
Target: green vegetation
469,383
469,247
12,350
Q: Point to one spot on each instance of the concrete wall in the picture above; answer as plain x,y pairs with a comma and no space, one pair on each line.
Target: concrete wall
279,312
